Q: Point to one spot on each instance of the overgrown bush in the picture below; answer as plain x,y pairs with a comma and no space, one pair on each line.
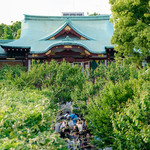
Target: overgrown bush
11,72
105,102
116,105
29,103
26,119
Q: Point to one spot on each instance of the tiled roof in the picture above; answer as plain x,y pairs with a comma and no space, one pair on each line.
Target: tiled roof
36,29
2,52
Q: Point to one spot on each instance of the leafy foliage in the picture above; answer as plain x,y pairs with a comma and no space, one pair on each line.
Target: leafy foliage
27,111
116,105
104,105
10,31
132,31
131,126
29,102
26,120
57,80
11,72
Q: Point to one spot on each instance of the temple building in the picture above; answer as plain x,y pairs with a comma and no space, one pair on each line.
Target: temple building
82,40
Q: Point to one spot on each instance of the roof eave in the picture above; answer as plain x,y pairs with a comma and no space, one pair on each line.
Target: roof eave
6,46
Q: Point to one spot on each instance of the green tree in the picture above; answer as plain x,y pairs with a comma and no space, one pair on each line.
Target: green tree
16,29
18,34
10,31
131,126
2,30
131,21
7,33
104,103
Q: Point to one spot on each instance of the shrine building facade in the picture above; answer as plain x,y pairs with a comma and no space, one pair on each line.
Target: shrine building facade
82,40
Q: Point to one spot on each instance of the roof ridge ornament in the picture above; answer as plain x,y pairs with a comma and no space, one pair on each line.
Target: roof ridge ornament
67,38
67,28
67,20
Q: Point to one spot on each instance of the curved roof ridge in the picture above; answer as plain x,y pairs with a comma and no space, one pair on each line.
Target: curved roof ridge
36,17
69,23
66,43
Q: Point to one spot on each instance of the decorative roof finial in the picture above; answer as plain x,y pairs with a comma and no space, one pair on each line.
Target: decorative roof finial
67,38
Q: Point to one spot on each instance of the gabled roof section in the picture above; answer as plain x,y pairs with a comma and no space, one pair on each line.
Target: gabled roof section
67,27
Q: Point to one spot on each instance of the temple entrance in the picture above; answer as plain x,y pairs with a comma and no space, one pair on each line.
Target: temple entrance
74,54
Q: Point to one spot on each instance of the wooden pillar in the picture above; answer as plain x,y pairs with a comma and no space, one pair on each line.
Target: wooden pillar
48,59
105,62
108,56
26,59
89,67
29,64
82,65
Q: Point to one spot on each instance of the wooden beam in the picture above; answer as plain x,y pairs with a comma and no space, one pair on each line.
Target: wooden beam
26,59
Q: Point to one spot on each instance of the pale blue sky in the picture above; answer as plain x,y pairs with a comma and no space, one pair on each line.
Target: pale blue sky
13,10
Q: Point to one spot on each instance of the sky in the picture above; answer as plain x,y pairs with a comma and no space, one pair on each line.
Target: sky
14,10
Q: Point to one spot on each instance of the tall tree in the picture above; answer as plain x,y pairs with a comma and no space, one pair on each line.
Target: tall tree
15,27
7,33
10,31
131,20
18,34
2,30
